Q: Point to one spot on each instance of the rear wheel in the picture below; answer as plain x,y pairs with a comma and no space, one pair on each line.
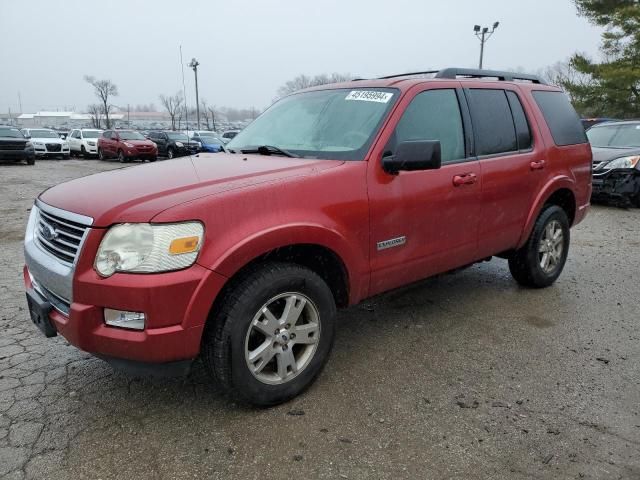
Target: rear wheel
540,261
272,333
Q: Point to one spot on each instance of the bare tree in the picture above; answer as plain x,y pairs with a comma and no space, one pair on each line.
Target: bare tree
205,113
104,89
173,106
212,112
304,81
95,112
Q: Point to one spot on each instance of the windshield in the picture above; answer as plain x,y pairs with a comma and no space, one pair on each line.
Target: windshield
10,133
335,124
178,137
615,136
129,135
43,134
91,133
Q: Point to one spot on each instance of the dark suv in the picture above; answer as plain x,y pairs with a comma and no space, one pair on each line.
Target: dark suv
173,144
332,195
14,146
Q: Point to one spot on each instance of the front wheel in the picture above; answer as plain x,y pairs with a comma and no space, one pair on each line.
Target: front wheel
540,261
170,153
272,333
100,154
121,158
31,161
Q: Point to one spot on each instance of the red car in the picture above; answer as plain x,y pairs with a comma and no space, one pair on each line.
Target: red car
334,194
126,145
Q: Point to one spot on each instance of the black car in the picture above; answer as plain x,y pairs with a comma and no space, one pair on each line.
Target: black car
173,144
616,161
14,146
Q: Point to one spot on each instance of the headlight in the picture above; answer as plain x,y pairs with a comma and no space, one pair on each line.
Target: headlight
149,248
127,144
623,162
28,144
38,144
65,145
179,144
92,144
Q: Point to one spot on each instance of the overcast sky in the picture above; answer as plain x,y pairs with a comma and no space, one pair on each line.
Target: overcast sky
247,49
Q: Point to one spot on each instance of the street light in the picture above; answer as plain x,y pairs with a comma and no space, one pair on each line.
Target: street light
483,34
194,64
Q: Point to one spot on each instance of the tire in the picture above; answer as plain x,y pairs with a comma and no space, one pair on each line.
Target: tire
66,157
232,333
170,153
153,159
83,151
31,161
100,154
526,264
121,158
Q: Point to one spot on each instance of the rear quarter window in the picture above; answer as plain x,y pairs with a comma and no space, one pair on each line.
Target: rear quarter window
562,119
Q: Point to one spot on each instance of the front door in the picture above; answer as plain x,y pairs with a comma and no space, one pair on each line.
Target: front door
424,222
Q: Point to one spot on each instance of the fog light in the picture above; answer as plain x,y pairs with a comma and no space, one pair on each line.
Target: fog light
124,319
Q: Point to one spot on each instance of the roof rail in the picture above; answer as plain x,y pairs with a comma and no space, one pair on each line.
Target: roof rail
453,73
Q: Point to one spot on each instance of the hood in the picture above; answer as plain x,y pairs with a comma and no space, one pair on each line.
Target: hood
601,154
47,140
138,142
138,193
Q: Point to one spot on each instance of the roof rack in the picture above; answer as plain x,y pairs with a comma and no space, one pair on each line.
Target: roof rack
453,73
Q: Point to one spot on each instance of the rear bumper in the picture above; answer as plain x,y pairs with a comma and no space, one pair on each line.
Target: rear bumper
620,183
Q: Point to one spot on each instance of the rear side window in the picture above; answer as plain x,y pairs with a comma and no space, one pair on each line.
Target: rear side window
562,119
523,132
434,115
492,122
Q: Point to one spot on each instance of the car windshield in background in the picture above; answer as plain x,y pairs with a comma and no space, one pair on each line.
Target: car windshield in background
127,135
91,133
10,133
615,136
209,138
43,134
178,137
337,124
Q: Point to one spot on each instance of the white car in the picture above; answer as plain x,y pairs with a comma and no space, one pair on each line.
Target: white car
47,142
84,141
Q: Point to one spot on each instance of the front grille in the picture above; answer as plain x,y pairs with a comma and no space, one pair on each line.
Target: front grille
60,304
58,236
54,147
12,145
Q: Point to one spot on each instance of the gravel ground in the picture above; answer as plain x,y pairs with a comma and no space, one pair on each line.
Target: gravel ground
460,376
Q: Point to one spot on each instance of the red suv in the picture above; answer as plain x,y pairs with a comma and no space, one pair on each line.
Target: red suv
334,194
126,145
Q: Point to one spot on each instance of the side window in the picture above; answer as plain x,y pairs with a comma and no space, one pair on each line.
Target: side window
107,134
433,115
523,132
78,134
562,119
492,122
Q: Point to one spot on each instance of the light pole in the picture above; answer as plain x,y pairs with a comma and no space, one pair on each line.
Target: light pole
194,64
483,34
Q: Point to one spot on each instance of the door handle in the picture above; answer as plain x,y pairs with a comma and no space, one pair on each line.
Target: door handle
464,179
539,165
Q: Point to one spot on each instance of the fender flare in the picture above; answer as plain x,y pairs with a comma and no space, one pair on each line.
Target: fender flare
554,184
264,241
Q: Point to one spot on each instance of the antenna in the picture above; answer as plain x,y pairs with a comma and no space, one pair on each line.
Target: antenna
184,93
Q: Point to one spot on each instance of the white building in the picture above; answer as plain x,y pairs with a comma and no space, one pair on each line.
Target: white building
60,119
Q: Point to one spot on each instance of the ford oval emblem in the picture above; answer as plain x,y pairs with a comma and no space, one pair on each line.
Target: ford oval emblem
49,233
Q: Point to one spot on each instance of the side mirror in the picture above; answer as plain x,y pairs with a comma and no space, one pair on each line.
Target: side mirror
414,155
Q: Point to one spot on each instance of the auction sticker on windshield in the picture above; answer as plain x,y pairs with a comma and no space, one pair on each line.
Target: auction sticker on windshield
369,96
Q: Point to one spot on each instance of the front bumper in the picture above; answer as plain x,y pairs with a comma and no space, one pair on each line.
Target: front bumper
17,154
132,153
623,184
176,305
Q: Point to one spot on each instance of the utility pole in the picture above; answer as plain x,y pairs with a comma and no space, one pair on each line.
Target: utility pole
194,64
483,34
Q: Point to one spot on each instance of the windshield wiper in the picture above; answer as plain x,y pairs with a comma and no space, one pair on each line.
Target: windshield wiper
267,150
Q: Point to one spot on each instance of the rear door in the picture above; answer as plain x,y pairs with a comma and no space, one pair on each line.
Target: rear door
511,156
424,222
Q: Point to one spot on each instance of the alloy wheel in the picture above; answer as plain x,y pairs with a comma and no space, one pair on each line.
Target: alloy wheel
551,247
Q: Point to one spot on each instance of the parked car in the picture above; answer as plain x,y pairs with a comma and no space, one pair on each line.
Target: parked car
47,143
587,123
209,141
229,135
616,161
126,145
14,146
84,141
173,144
243,261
